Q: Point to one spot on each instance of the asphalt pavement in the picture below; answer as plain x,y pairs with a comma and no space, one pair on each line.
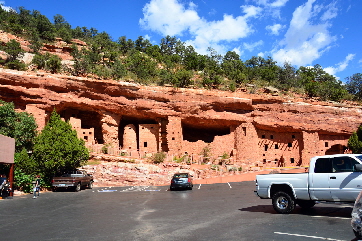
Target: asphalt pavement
224,211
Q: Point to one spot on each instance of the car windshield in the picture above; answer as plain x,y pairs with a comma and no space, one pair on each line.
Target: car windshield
359,157
181,175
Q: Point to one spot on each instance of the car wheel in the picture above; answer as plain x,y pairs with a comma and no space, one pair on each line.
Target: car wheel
54,189
357,234
77,188
283,203
90,185
305,204
172,188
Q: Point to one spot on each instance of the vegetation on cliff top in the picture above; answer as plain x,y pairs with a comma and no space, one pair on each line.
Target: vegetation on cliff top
171,62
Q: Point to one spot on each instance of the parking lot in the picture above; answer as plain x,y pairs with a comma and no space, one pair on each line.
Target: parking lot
224,211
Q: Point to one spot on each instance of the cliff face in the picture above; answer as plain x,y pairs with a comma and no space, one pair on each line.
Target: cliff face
186,120
196,107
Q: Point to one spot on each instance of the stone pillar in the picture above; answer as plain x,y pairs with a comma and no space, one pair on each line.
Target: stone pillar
39,115
310,146
110,124
174,135
130,138
246,143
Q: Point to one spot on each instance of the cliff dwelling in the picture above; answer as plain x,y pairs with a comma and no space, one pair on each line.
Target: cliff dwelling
206,126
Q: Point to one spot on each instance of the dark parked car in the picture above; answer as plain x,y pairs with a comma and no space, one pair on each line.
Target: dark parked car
181,180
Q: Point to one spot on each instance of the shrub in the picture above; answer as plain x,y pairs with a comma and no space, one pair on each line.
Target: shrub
158,157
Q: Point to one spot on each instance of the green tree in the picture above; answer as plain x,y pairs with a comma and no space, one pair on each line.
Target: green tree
18,125
354,85
58,149
22,127
355,141
14,50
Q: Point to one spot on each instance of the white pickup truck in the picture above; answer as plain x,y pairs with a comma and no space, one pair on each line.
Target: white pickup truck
333,178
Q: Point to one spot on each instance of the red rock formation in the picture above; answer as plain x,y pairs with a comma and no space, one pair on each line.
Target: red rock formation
259,129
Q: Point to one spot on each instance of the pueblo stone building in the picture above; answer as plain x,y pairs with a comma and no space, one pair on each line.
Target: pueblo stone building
139,121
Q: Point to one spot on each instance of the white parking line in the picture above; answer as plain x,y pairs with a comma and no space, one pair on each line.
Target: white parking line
307,236
199,186
329,217
229,185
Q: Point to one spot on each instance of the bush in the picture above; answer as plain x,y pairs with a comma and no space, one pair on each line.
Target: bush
16,64
158,157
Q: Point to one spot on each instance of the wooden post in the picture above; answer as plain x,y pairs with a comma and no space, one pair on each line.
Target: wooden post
11,179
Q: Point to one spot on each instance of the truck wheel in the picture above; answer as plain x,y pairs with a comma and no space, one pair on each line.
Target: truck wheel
357,234
305,204
90,185
77,188
283,203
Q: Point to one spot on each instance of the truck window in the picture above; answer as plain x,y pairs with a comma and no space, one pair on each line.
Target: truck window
323,165
343,164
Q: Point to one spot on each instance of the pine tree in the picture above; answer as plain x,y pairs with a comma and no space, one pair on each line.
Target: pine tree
355,141
57,149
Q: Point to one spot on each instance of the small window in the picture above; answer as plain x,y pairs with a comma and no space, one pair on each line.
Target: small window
143,128
271,137
265,147
276,146
90,133
263,136
293,136
263,154
151,127
145,144
173,138
326,144
244,130
83,132
291,160
290,144
264,161
86,138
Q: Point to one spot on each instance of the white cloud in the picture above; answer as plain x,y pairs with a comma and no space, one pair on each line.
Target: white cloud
252,46
6,8
271,3
307,37
271,7
278,3
275,29
170,17
340,66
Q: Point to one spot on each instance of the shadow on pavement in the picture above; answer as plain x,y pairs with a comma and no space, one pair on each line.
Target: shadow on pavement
342,212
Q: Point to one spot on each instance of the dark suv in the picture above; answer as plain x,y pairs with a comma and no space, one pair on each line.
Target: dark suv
181,180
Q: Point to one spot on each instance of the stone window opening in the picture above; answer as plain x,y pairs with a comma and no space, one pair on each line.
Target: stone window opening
276,146
173,138
271,137
293,136
85,138
262,136
326,144
244,129
265,147
292,160
145,144
264,161
290,144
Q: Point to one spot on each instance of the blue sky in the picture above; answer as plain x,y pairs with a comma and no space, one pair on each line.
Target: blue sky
303,32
